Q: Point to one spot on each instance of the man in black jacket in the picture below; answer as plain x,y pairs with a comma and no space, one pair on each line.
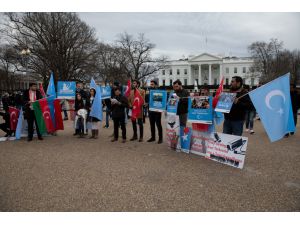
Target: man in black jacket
31,95
155,118
182,109
118,105
234,120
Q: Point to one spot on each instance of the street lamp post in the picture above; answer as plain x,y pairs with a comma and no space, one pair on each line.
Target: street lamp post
25,53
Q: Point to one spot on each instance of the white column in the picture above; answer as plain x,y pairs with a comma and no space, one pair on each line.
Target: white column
200,76
190,75
209,74
221,73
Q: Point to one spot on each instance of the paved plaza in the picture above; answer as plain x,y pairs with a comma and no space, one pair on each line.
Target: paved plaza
66,173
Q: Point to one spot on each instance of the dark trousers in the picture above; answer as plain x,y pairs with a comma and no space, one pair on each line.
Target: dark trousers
30,120
183,119
5,128
141,126
117,123
233,127
155,118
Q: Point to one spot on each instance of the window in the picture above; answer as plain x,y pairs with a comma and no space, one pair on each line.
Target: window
244,69
178,71
163,72
235,69
215,81
185,82
227,81
171,81
185,71
252,81
170,71
227,70
164,82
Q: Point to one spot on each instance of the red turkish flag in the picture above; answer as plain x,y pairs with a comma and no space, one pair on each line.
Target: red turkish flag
46,115
218,92
13,117
128,88
138,102
59,125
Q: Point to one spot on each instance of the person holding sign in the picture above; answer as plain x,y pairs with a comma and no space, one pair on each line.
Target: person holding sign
155,118
234,120
182,108
118,105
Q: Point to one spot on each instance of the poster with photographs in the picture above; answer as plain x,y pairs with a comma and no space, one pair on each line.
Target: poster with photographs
158,100
200,109
173,132
225,102
172,103
219,147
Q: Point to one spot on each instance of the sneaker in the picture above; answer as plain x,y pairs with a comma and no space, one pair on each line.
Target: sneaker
252,132
247,130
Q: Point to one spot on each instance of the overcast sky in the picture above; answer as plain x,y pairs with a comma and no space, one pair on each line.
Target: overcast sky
178,34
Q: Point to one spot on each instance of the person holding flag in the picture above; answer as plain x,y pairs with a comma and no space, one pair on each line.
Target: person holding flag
31,95
136,101
93,121
234,120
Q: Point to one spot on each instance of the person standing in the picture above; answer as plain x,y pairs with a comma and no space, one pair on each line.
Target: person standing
139,119
295,100
155,118
234,120
92,122
31,95
182,108
250,115
83,95
118,105
80,122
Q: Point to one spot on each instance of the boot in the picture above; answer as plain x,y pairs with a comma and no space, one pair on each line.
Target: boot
93,134
133,138
96,134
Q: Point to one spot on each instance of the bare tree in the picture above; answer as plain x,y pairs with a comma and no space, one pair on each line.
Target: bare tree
58,42
8,59
138,61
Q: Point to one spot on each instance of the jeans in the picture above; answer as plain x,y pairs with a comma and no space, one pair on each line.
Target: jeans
141,126
155,118
249,119
117,123
107,117
233,127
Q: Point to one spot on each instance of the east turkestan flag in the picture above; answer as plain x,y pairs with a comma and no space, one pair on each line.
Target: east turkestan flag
273,105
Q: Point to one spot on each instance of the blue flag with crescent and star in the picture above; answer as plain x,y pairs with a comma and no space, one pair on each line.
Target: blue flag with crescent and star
273,105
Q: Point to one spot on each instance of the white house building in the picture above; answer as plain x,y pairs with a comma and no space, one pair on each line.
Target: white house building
207,69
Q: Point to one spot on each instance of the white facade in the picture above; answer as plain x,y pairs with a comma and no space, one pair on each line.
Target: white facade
207,69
